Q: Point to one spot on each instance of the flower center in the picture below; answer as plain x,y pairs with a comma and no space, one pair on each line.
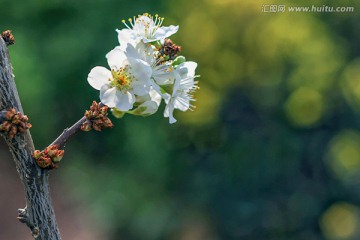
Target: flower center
146,23
121,79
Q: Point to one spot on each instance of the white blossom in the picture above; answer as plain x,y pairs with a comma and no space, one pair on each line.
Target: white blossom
145,28
162,71
129,76
183,89
144,70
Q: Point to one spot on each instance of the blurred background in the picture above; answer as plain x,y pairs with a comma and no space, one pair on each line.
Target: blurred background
271,152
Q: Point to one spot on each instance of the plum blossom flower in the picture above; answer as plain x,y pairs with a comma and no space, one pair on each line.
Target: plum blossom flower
145,28
183,89
144,70
129,76
162,72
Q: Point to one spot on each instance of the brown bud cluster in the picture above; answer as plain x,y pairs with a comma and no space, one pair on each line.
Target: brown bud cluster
14,122
169,49
48,158
8,37
96,118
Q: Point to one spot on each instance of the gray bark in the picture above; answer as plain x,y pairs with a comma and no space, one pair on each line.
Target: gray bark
38,213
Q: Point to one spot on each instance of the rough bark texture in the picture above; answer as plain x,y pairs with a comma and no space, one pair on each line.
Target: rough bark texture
38,214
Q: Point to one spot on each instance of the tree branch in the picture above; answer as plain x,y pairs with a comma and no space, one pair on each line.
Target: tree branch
2,116
95,118
68,133
38,214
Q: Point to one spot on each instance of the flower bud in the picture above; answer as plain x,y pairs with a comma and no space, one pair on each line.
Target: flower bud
37,154
87,113
10,114
58,156
108,123
7,126
104,110
86,127
12,132
16,122
43,161
16,119
178,60
24,118
51,151
8,37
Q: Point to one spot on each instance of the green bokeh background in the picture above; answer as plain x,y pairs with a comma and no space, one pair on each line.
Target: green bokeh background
272,150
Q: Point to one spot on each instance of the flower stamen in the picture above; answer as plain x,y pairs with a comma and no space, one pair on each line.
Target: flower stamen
121,79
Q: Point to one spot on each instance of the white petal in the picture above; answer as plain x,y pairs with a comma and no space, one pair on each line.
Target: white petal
172,119
164,32
190,67
166,111
108,96
162,76
124,100
155,96
182,103
170,30
140,88
142,23
140,69
132,51
125,36
166,97
186,70
176,83
141,51
116,58
155,86
149,106
98,77
169,109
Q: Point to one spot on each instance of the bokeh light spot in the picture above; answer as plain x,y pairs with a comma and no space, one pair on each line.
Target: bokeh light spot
351,84
344,155
206,29
340,221
207,107
304,107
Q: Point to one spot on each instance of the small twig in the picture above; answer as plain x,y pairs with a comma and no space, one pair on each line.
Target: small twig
23,216
68,133
71,131
96,118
